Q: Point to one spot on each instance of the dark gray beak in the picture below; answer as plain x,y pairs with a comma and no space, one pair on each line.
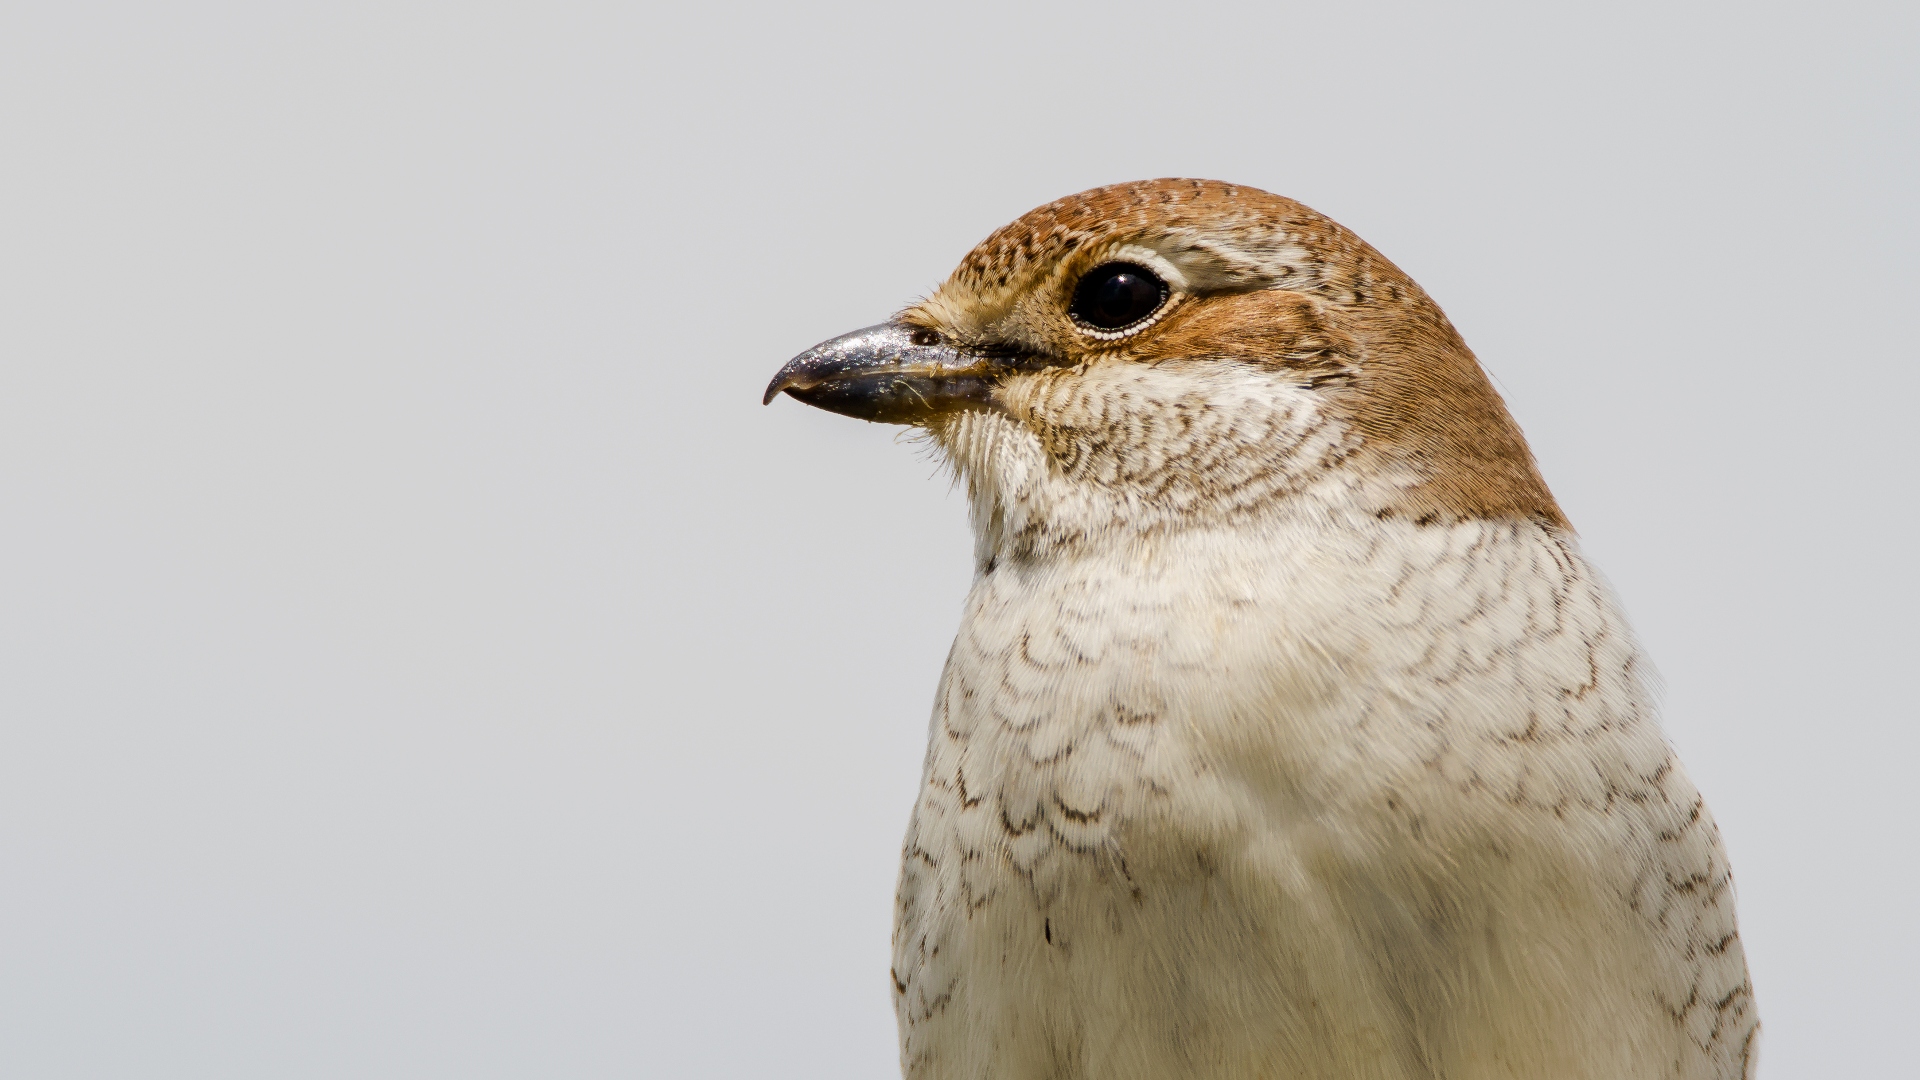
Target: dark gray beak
890,374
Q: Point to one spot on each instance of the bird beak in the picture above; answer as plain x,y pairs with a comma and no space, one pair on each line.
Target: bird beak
890,374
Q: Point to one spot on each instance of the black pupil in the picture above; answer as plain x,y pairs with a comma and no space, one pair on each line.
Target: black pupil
1117,295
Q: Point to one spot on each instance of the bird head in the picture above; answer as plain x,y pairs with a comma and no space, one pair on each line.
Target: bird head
1180,354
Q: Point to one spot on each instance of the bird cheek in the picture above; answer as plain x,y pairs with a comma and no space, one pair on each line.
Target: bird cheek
1016,393
1036,399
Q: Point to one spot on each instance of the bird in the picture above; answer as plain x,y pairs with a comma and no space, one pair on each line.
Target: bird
1287,732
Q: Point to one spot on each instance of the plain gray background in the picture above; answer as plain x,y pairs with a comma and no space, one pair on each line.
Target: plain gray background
424,657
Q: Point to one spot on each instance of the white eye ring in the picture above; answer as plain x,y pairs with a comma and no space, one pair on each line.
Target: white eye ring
1172,301
1129,280
1116,297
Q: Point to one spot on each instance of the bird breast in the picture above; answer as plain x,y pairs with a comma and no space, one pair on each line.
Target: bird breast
1209,678
1152,760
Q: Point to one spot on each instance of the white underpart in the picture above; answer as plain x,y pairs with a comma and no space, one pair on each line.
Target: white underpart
1206,443
1290,790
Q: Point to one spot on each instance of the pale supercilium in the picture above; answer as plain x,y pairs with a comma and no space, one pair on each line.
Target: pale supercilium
1287,733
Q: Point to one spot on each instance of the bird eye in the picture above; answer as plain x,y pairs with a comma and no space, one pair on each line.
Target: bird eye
1117,295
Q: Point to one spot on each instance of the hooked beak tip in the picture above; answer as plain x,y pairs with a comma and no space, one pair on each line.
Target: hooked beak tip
787,379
